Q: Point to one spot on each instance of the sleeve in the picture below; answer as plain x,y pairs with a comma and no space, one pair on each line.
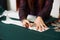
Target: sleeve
46,9
23,10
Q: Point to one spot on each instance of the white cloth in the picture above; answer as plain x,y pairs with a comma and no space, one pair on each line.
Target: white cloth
13,14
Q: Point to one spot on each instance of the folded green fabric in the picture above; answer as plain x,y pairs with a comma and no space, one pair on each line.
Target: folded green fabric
1,10
3,18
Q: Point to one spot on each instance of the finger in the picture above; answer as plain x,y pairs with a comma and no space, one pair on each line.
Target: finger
27,25
43,24
41,21
37,27
40,28
24,24
45,27
32,24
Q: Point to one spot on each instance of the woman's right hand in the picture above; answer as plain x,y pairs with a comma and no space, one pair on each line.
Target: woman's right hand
26,23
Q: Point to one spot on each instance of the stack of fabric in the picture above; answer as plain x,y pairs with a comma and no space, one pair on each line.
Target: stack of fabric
12,17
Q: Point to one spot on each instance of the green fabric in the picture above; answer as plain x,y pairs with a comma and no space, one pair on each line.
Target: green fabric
13,32
1,10
3,18
51,19
15,19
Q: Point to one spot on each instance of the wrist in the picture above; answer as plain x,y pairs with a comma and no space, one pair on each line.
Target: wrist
38,17
23,20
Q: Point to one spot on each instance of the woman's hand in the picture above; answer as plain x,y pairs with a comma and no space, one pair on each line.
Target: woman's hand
26,23
40,25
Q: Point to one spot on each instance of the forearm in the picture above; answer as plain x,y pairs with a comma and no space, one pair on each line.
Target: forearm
23,10
45,12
